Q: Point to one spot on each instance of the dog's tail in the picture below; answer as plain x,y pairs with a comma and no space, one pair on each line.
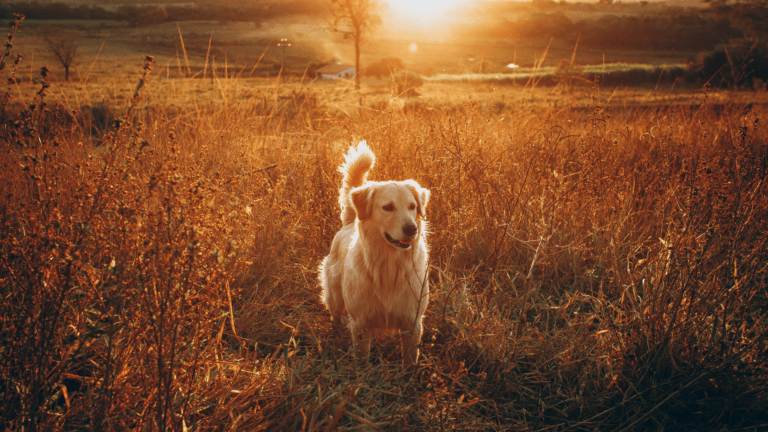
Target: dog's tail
357,162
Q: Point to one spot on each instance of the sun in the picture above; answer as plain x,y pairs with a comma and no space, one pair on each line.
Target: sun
422,7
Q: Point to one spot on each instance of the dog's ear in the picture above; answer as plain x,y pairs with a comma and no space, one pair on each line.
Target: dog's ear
421,195
362,200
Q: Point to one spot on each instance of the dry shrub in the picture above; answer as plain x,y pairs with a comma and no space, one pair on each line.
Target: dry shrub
592,269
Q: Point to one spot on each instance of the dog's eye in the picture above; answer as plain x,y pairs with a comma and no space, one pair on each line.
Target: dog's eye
389,207
412,207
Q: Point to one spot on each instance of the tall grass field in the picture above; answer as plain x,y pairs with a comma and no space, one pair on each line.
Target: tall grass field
594,264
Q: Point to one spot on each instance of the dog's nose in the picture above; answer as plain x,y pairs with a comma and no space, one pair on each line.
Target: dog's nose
409,230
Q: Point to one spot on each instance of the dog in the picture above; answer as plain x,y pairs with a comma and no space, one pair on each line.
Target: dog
376,270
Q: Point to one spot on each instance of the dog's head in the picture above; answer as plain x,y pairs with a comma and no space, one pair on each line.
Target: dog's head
394,209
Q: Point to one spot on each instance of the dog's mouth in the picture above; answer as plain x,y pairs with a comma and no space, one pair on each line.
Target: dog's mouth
402,244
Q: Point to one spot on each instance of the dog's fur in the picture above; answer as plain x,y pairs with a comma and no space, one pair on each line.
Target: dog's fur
377,268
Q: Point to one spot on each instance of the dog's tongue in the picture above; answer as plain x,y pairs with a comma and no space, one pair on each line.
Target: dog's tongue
404,244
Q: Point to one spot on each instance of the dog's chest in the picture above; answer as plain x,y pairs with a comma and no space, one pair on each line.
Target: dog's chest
392,302
389,292
391,277
397,285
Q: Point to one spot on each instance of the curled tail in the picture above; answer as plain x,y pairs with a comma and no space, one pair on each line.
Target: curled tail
357,162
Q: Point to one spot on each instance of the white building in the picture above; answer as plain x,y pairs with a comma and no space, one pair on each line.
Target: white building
335,71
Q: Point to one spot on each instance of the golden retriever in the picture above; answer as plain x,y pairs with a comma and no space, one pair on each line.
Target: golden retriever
377,268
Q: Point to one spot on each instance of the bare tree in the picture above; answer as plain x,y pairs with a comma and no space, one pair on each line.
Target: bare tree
355,18
62,43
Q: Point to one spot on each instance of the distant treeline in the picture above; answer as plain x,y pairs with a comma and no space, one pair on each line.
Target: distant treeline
728,40
154,14
684,31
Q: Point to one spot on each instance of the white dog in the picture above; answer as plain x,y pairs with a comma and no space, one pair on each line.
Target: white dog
377,268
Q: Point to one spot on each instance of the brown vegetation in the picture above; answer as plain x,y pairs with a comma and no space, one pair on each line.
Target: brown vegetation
599,268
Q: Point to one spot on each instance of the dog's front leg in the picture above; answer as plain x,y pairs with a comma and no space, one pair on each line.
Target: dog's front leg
362,341
409,342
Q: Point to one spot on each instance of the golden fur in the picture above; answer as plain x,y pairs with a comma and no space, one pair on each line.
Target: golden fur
376,270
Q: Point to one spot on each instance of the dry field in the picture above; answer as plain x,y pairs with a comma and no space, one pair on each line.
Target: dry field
598,261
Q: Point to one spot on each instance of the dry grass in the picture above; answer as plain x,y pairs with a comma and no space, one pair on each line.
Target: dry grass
593,267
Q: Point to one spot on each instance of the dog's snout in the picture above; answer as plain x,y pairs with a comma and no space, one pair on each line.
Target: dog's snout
410,230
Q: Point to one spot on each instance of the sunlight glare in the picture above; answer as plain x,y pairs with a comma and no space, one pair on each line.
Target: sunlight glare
422,7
